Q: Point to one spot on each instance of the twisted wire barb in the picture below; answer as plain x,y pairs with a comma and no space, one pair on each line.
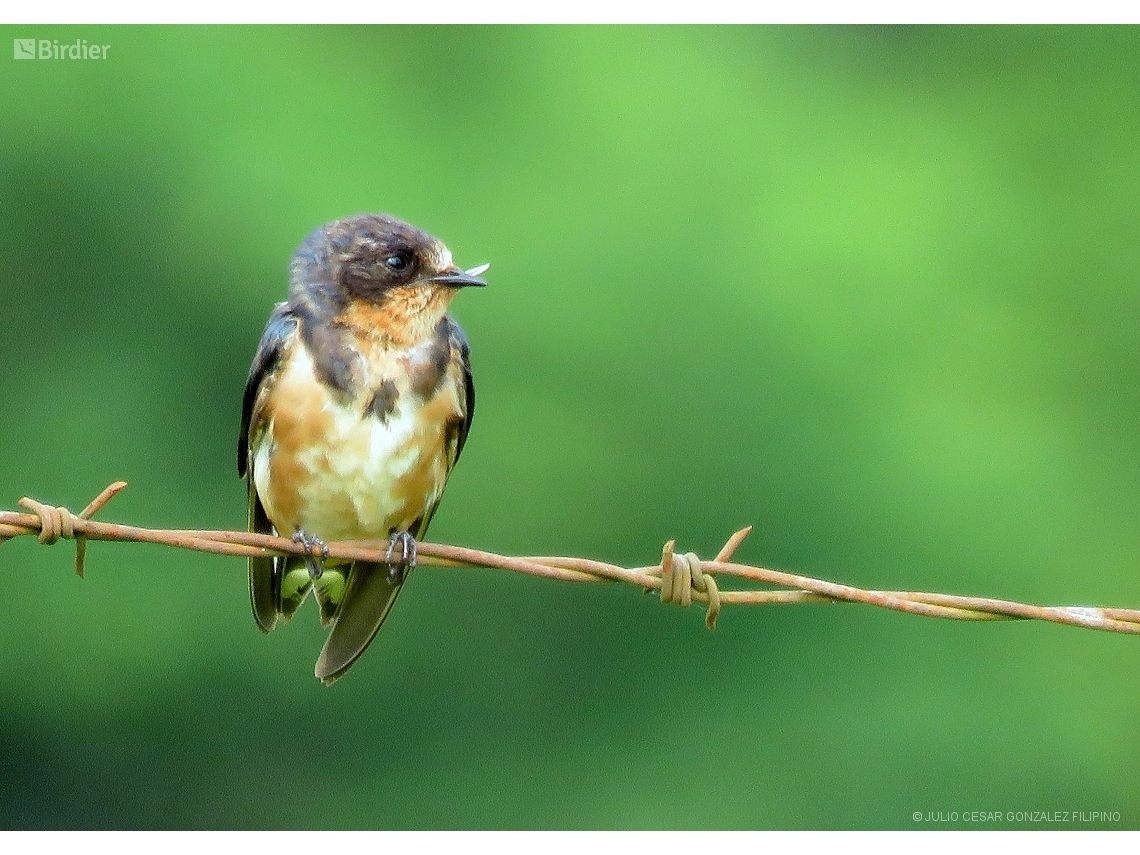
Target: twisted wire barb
680,579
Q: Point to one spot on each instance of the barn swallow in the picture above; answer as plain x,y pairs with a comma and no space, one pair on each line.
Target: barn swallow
357,407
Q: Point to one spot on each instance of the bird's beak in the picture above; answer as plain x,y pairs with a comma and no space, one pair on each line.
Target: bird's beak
457,278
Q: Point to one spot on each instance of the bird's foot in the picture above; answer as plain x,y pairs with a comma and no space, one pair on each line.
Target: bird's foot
316,551
398,567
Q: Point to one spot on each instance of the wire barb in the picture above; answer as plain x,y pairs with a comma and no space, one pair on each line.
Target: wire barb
59,522
681,579
730,545
54,522
682,574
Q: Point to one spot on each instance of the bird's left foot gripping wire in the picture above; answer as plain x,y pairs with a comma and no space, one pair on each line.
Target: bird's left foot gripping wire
398,567
316,551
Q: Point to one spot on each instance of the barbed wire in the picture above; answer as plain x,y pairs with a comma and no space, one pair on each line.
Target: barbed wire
680,578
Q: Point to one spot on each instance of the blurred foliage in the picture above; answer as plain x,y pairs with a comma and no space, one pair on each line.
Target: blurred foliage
873,290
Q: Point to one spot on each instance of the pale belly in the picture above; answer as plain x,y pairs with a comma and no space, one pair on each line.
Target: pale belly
338,474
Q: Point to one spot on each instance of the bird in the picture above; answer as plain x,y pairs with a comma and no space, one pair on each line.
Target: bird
357,407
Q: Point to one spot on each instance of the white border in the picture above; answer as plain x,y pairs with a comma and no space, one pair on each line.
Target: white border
561,11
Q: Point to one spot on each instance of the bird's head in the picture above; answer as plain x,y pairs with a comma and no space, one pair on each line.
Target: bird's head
379,273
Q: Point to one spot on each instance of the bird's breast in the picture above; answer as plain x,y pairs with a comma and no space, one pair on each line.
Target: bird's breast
353,466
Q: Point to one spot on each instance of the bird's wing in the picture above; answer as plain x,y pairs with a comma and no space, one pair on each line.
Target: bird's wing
281,325
265,574
461,356
367,599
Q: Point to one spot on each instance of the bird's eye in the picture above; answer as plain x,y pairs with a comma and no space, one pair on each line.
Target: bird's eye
396,261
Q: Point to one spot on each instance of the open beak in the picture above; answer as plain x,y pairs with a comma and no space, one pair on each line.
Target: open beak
462,278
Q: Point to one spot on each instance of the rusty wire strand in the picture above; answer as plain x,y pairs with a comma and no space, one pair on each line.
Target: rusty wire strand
681,579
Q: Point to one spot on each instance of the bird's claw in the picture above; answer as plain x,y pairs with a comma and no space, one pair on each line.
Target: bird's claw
398,568
316,551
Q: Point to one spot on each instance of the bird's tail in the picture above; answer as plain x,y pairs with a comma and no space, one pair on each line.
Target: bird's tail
357,606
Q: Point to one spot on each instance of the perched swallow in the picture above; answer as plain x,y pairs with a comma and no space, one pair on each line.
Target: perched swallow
358,403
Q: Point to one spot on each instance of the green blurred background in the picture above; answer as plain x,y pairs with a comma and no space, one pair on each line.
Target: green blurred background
873,290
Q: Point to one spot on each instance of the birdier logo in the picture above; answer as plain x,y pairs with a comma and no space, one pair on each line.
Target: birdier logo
52,49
